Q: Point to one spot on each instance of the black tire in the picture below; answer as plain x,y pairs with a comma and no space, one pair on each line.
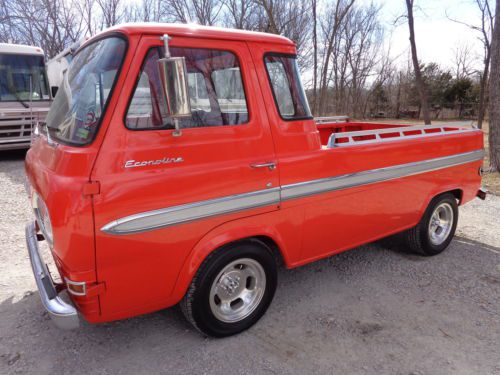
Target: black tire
196,304
419,238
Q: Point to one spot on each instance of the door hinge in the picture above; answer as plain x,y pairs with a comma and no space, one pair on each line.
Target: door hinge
91,188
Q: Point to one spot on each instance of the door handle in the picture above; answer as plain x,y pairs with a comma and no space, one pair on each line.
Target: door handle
271,165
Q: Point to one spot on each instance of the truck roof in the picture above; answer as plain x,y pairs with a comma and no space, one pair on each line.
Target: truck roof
198,31
20,49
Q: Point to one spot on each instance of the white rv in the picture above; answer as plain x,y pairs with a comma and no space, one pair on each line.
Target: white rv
57,66
24,94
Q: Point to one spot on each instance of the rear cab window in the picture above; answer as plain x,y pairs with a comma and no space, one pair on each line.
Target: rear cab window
286,85
215,86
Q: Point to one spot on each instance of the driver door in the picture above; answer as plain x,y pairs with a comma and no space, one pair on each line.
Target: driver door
216,171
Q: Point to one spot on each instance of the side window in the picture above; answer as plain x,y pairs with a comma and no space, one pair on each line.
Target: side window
146,109
287,87
198,94
215,88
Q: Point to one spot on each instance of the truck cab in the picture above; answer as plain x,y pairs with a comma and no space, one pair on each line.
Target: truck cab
181,164
24,94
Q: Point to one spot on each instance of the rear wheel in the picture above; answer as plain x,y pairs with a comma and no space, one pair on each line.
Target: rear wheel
232,289
436,229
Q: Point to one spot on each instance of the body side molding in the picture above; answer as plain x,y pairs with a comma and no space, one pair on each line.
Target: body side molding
192,211
184,213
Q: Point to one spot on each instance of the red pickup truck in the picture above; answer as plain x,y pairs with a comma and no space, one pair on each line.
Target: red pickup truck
181,164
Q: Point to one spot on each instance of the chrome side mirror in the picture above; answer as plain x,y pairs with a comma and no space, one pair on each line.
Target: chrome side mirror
174,83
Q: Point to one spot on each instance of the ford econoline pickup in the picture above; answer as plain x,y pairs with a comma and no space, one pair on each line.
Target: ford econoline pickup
181,165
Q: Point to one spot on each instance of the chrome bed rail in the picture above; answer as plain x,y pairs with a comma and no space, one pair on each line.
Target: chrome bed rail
331,119
401,131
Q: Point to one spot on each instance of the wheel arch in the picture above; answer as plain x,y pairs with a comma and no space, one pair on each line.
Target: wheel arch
222,236
457,192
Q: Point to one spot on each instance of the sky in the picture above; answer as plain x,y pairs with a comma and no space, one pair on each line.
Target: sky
437,37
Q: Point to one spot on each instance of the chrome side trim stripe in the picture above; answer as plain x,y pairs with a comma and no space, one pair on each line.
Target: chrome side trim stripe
307,188
188,212
169,216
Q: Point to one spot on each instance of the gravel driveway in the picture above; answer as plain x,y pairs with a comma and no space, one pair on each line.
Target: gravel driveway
373,310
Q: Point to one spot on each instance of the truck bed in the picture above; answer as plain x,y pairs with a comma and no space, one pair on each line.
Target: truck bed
341,134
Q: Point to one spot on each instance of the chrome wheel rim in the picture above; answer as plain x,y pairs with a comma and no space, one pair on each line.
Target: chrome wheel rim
441,223
237,290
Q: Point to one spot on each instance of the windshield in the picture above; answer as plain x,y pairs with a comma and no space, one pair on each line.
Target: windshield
80,103
20,72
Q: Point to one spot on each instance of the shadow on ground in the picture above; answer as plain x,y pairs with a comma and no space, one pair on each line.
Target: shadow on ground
6,155
375,309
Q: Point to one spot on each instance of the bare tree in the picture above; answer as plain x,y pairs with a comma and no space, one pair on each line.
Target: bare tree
464,61
290,18
50,24
153,10
315,56
204,12
339,42
112,12
494,106
331,24
398,95
87,9
6,26
484,31
416,64
240,14
365,34
386,80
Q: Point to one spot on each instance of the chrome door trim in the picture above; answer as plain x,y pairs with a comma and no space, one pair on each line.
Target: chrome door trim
307,188
184,213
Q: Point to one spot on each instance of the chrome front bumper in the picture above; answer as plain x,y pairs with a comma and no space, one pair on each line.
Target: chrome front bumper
63,314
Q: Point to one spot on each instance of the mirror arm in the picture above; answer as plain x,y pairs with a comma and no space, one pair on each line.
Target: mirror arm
166,39
177,132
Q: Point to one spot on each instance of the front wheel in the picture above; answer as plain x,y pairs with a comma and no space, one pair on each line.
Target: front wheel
232,289
436,229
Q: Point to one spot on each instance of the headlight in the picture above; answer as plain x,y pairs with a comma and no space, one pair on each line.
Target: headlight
43,217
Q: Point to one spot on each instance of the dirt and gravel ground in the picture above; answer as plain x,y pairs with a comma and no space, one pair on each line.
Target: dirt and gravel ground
373,310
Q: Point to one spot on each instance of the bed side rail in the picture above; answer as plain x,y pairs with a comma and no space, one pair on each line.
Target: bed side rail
393,134
331,119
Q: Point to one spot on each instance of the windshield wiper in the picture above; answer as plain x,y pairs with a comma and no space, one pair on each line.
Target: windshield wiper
55,129
13,92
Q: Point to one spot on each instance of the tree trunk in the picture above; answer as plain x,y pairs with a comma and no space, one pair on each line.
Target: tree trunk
483,89
416,65
398,97
341,10
494,106
315,57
